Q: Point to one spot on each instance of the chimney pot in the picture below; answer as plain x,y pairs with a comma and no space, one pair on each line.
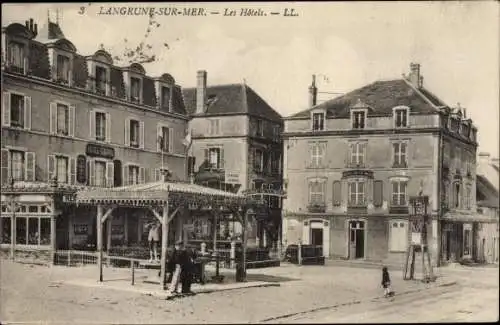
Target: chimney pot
32,28
201,91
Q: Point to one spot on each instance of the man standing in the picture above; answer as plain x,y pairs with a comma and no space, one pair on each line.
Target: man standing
175,264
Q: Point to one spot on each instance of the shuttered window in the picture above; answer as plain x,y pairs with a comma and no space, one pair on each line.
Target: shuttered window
337,193
378,193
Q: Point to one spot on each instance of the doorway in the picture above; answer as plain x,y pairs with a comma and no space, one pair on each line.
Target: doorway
317,236
356,239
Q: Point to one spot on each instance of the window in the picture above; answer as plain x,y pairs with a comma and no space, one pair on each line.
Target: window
165,97
100,126
17,110
134,133
275,163
401,117
215,157
276,133
260,128
62,119
133,175
62,69
135,89
16,57
399,154
100,173
62,170
456,195
468,197
358,120
6,230
357,153
101,80
317,192
165,139
17,165
258,161
357,193
214,127
399,193
317,154
318,122
398,240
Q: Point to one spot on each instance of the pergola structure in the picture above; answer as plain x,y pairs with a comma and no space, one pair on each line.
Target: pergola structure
165,200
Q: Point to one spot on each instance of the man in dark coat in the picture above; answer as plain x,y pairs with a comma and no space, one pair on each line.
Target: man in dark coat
187,266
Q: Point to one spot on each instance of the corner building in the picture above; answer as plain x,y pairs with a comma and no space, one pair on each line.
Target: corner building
352,163
83,121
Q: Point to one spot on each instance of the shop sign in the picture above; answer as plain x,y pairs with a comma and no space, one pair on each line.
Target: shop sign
97,150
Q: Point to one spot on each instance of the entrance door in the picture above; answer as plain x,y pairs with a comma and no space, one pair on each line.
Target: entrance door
448,245
317,236
356,239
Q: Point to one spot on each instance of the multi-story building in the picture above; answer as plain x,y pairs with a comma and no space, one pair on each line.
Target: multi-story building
352,163
84,121
236,146
487,196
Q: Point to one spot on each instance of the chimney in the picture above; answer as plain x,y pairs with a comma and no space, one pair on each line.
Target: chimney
313,92
27,23
201,91
484,158
31,25
36,30
415,75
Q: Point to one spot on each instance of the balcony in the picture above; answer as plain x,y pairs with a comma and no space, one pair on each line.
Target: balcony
316,207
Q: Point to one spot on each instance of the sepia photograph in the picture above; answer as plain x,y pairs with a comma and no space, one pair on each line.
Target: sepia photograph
250,162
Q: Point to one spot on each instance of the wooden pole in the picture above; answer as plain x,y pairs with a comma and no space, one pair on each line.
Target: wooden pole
244,248
53,233
99,239
164,243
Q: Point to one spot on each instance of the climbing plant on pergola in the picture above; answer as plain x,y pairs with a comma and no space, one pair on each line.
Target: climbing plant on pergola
164,200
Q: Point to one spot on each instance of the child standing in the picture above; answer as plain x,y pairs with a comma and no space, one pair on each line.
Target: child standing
386,282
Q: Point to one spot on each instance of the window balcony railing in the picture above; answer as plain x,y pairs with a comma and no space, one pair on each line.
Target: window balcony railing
316,207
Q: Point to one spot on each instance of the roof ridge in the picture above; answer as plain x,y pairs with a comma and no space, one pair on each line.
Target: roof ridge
421,95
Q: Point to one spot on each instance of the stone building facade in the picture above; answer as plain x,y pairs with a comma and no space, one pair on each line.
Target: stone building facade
84,121
236,146
352,163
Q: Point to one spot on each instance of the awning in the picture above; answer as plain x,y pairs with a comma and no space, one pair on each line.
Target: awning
159,193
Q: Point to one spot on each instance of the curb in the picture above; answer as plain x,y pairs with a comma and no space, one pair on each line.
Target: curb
263,285
353,302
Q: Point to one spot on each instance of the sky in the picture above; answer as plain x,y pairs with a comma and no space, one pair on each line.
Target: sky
347,45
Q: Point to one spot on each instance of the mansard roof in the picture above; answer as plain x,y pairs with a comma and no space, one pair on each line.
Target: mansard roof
382,97
231,99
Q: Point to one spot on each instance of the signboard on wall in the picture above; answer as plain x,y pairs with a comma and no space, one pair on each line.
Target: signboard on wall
98,150
231,177
81,169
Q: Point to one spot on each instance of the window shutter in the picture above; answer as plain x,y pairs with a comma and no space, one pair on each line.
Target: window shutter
125,175
5,166
71,126
147,175
310,188
91,171
157,175
30,166
378,194
158,136
110,174
6,109
142,175
363,154
92,125
221,158
108,127
53,117
51,167
27,112
170,140
127,132
336,193
141,137
72,170
351,153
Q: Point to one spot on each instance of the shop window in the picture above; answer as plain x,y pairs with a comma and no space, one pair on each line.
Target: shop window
33,234
44,231
6,230
21,231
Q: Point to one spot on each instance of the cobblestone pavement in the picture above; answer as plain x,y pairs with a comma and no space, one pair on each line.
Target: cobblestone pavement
36,293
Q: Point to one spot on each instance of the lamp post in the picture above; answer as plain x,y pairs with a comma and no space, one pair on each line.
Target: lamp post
420,215
13,208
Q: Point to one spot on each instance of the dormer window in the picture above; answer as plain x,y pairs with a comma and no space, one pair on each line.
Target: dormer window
101,80
400,117
318,121
17,57
165,98
135,90
63,69
260,128
358,119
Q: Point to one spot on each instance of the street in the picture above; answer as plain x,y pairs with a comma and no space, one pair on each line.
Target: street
35,293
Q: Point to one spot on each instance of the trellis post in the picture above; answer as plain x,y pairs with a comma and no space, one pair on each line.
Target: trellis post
99,239
164,242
